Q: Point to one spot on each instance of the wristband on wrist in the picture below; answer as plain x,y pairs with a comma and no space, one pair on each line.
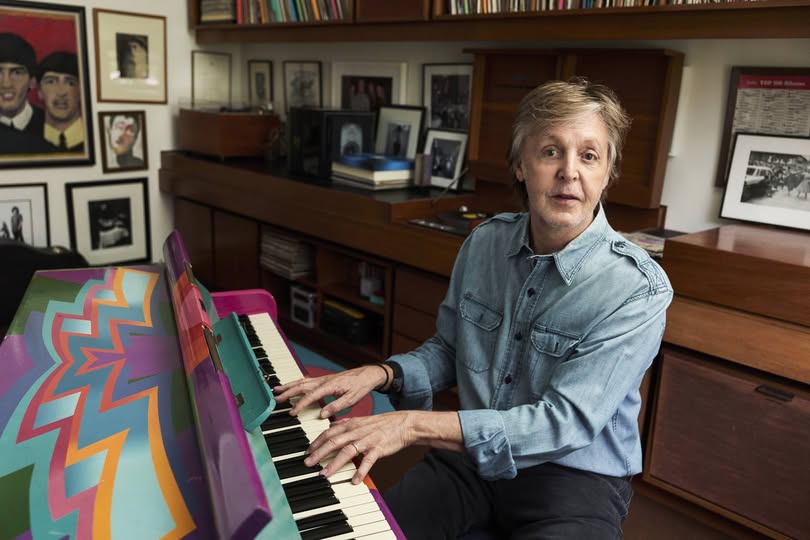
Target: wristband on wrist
381,388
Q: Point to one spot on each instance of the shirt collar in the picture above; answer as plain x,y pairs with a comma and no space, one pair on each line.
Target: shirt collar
74,134
20,121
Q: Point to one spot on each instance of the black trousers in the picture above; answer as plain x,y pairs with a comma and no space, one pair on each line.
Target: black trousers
443,497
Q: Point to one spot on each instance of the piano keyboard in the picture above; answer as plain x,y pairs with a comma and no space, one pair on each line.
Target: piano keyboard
323,508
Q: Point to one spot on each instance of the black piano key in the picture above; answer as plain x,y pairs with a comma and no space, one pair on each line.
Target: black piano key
307,485
288,435
321,520
280,421
282,407
310,504
288,448
298,471
326,531
320,494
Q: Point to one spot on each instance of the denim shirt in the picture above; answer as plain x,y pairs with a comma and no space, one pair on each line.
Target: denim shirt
547,351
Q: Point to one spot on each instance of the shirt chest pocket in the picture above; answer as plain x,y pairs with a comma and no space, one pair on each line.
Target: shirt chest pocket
478,333
550,347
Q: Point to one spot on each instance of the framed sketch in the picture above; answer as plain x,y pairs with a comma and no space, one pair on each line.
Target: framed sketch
351,133
46,110
109,221
769,181
398,130
124,141
302,84
766,100
447,150
260,83
210,79
130,57
446,92
367,86
24,214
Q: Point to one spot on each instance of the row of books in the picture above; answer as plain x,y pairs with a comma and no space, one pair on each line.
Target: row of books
271,11
285,255
470,7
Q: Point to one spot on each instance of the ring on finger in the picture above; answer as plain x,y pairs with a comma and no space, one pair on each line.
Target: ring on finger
356,449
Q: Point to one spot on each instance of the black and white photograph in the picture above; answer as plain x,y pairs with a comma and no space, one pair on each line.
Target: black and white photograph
130,57
210,79
24,214
124,141
302,84
365,93
367,86
769,181
260,83
351,133
109,221
446,92
45,111
398,130
447,151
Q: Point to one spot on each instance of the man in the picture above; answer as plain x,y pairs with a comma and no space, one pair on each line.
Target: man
121,135
16,224
133,56
548,325
20,123
61,93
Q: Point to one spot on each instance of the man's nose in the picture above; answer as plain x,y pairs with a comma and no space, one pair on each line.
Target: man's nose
568,168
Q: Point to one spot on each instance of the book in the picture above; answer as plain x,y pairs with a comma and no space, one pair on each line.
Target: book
365,184
369,174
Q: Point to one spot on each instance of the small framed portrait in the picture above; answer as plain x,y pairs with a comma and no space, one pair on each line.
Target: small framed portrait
124,141
24,214
398,130
260,83
46,110
447,151
351,133
769,181
130,57
367,86
210,79
446,92
302,84
109,221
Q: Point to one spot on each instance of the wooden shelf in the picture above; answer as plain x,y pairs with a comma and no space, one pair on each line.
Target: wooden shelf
757,20
348,294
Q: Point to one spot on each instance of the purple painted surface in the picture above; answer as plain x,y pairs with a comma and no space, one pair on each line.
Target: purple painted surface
146,355
78,275
25,536
14,360
246,302
389,517
174,251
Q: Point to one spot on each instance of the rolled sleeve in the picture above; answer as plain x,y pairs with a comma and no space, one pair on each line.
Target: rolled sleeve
487,444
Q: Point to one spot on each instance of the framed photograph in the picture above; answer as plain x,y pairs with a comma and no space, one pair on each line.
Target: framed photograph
130,57
769,181
446,92
765,100
447,150
398,130
124,141
350,133
109,221
210,79
367,86
302,84
260,83
24,214
46,110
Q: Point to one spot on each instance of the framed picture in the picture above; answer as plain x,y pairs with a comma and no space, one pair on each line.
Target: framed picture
766,100
350,133
130,57
210,79
24,214
446,92
109,221
302,84
398,130
367,86
124,141
260,83
46,112
769,181
447,150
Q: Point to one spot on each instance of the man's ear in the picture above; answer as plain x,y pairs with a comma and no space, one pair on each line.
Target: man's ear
521,176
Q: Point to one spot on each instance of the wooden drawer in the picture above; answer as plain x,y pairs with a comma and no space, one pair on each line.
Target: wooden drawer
734,442
412,323
419,290
402,344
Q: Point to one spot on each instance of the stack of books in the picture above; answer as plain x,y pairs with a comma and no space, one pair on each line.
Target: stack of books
371,171
286,256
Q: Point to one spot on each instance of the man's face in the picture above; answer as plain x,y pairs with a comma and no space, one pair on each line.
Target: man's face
62,97
15,81
122,134
565,170
136,65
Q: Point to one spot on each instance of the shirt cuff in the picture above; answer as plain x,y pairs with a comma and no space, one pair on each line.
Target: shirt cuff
486,443
416,393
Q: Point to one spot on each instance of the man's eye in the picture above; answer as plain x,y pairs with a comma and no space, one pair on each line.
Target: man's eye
549,152
590,156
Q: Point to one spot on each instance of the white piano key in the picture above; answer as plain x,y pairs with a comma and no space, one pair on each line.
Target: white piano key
315,425
343,474
362,531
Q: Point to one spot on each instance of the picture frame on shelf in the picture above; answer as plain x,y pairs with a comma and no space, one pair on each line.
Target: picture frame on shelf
109,221
130,57
24,214
48,114
260,83
302,84
769,181
352,83
350,133
210,79
765,100
446,90
447,151
123,146
399,130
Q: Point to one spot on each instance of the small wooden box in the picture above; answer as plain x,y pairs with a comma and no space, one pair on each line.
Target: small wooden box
228,134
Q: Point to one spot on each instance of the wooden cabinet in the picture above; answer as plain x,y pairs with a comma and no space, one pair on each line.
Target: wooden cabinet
194,222
417,296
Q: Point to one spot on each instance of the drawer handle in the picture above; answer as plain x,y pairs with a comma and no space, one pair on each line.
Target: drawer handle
774,393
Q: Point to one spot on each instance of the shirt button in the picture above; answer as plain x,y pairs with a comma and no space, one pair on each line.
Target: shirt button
530,292
508,379
518,336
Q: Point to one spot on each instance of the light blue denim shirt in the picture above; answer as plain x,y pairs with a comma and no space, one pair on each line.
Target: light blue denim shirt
548,351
